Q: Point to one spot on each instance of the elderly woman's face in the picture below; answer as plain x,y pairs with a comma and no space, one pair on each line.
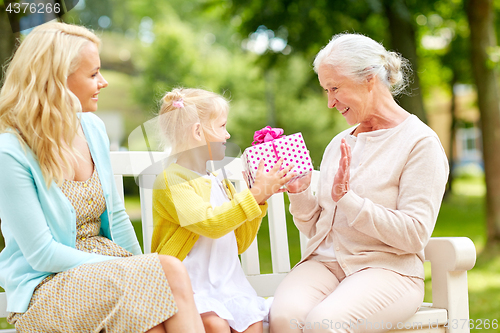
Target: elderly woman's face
349,97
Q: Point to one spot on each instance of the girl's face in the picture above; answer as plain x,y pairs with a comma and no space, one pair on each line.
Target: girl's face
216,138
349,97
87,81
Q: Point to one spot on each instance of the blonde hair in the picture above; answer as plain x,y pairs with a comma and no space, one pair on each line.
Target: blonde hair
359,57
35,102
181,109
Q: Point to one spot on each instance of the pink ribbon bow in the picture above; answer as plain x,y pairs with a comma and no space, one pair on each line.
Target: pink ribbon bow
178,103
266,134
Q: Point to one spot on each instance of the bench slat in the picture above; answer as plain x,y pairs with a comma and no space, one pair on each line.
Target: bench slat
278,234
146,196
119,186
250,259
265,284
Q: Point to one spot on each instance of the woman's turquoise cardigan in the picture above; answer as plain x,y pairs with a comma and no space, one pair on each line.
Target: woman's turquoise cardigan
39,223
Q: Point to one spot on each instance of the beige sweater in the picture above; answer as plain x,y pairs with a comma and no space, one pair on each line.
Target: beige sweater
398,177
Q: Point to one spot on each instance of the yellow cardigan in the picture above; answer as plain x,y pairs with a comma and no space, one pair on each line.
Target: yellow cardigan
182,212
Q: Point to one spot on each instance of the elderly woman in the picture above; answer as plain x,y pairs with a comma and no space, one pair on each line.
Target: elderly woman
381,186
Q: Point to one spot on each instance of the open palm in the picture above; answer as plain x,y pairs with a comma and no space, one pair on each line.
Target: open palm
343,175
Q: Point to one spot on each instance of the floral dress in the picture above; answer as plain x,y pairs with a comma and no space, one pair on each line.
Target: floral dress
122,295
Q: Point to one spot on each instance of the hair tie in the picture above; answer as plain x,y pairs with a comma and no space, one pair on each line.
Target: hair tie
178,103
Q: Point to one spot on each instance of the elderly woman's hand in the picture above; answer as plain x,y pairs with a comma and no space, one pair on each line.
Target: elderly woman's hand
342,177
300,184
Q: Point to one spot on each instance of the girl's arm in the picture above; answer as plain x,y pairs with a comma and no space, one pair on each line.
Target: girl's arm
180,200
247,232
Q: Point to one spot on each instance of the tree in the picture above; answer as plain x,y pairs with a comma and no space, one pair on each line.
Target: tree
483,39
10,26
444,55
403,39
7,47
7,39
309,26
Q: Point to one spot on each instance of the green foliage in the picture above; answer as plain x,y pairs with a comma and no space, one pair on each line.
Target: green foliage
469,171
190,52
4,324
444,48
309,24
90,15
170,62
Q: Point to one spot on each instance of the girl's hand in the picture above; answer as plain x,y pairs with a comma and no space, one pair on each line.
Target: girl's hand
343,175
246,178
299,185
268,183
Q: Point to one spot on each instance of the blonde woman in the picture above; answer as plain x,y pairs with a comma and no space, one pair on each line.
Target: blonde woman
69,264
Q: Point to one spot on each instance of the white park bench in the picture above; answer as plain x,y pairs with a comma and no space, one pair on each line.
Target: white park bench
450,257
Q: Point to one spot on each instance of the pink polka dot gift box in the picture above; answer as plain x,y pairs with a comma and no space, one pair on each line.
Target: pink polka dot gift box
270,145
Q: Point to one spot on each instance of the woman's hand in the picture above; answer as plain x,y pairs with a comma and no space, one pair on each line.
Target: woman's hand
343,175
268,183
300,184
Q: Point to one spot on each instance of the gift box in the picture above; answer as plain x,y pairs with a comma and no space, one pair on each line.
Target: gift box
270,145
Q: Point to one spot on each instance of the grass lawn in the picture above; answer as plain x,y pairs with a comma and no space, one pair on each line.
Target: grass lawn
462,214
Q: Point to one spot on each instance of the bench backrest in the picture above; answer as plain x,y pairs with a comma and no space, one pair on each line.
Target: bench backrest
146,166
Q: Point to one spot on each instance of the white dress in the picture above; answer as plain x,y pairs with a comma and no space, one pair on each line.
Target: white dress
217,278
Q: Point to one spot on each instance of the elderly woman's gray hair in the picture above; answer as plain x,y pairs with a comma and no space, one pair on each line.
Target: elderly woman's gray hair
359,57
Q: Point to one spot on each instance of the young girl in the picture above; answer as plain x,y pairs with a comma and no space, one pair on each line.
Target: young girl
199,218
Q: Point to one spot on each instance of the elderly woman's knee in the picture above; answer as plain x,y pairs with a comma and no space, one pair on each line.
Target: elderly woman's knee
285,317
329,320
278,322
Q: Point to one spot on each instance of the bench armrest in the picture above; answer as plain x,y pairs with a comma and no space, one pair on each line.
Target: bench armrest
451,253
451,258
